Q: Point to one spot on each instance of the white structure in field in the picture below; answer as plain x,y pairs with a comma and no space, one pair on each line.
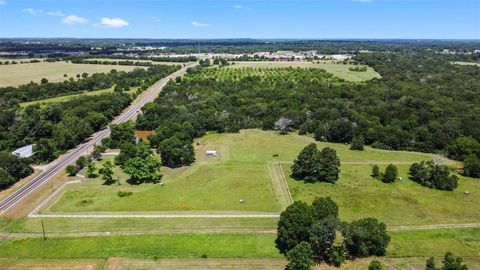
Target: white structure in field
24,152
211,153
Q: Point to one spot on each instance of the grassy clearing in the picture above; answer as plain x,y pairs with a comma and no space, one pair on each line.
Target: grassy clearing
70,97
463,242
239,171
402,203
339,70
466,63
14,75
144,246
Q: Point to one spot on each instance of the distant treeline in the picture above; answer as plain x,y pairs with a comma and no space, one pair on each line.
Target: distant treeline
10,96
421,103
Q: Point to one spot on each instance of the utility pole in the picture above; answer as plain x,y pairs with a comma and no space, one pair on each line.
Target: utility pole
43,230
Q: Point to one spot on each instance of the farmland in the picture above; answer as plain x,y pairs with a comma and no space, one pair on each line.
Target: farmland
14,75
70,97
357,194
464,242
339,70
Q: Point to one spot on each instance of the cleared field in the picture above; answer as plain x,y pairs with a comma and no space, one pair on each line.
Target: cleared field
144,246
240,171
14,75
69,97
339,70
466,63
401,203
463,242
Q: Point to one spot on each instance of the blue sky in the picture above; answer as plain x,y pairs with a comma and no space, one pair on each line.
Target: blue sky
241,19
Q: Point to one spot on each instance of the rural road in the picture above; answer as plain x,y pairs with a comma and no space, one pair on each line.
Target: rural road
62,162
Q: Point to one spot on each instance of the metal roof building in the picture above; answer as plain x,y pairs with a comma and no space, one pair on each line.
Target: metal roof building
24,152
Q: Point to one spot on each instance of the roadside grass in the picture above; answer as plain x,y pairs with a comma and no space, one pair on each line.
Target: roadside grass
404,202
136,225
338,70
15,75
144,246
463,242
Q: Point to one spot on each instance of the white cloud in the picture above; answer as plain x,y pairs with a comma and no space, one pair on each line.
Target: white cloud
197,24
3,2
240,7
55,13
32,11
73,19
114,22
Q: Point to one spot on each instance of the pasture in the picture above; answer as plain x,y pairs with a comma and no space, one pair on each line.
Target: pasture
70,97
15,75
463,242
240,171
339,70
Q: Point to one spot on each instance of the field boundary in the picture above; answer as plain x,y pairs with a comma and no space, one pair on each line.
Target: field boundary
51,196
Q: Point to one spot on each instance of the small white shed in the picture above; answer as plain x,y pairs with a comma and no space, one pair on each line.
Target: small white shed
211,153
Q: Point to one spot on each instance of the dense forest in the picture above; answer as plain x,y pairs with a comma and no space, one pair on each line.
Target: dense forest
422,102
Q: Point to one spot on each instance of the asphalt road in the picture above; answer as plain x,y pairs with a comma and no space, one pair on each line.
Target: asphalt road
62,162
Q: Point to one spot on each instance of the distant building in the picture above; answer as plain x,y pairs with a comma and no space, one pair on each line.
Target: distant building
211,153
24,152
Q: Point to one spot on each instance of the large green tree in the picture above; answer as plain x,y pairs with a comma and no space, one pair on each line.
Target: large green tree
366,237
143,170
176,153
300,257
312,165
293,226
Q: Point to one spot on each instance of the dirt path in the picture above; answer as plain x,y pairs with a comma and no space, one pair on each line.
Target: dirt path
279,184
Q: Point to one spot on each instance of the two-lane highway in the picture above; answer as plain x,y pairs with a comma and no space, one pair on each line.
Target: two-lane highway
61,163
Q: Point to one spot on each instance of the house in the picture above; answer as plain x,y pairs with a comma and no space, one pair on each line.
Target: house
211,153
24,152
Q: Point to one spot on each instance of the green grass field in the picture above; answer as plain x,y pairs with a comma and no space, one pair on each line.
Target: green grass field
14,75
463,242
239,171
69,97
466,63
339,70
401,203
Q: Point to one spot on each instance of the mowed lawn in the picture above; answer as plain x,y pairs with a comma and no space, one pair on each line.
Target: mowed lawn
463,242
339,70
14,75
